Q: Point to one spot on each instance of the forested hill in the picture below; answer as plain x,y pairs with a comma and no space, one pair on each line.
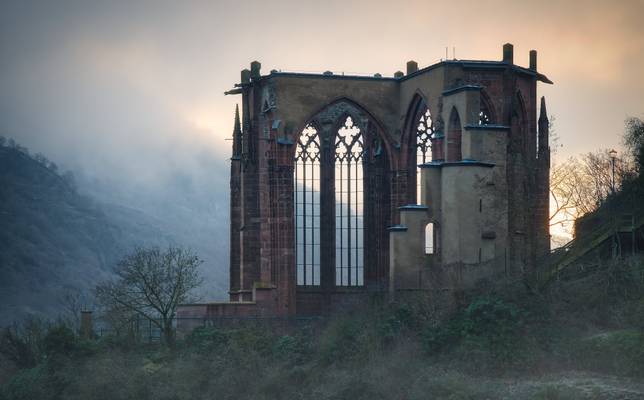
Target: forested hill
55,241
51,239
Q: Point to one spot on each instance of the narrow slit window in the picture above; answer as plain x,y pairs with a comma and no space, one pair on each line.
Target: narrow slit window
429,238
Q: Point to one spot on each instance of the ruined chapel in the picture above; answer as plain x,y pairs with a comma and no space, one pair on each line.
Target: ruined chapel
346,186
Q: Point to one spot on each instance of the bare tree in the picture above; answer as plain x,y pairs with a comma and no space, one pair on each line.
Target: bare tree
120,320
579,186
152,283
566,192
598,167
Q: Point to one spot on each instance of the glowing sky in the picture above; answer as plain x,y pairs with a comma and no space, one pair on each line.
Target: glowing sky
138,85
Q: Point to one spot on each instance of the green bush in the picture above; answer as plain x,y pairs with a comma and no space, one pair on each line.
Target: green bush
348,338
252,339
208,338
294,349
28,384
23,344
60,340
394,321
17,349
87,348
486,325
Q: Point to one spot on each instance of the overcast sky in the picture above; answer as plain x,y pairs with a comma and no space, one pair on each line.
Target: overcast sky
135,88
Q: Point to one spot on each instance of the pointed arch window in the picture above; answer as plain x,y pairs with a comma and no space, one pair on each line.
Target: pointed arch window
454,137
307,207
424,136
485,113
329,171
484,117
349,215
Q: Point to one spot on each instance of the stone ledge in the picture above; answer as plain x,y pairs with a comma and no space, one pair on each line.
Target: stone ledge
487,127
414,207
472,163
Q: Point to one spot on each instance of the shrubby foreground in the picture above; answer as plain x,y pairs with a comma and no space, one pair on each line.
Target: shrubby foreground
581,339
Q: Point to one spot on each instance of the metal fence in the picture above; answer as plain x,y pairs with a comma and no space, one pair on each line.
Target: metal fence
147,331
139,329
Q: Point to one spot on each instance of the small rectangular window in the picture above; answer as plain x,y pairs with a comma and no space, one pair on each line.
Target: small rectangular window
429,238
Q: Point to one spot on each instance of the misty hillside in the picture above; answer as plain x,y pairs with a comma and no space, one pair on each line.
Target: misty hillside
56,239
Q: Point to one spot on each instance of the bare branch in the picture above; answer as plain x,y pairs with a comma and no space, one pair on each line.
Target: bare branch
152,283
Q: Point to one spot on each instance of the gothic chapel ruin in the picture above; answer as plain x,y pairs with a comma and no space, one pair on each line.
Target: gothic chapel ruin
345,186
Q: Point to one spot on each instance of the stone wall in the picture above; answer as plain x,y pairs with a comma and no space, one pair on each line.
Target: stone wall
487,200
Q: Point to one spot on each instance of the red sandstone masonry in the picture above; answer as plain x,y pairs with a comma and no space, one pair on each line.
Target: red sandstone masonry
276,107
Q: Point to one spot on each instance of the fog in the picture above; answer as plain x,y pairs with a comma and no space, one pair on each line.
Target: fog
105,96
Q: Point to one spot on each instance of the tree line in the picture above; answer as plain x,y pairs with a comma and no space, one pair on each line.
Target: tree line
67,176
581,185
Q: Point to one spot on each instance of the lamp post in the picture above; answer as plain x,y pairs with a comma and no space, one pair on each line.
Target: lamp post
613,156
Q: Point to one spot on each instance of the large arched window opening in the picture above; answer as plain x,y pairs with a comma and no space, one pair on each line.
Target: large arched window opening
349,214
424,130
307,207
342,201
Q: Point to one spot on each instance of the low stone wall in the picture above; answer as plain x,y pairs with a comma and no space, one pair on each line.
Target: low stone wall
264,305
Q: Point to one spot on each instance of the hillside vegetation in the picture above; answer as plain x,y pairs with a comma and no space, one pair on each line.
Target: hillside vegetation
579,339
51,239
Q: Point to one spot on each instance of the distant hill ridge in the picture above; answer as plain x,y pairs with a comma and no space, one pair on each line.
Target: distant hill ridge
60,235
53,240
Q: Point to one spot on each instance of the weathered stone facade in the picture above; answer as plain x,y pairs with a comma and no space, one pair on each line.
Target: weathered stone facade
485,190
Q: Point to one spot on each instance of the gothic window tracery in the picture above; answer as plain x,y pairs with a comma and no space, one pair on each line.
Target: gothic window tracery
485,115
307,207
349,215
329,174
424,135
484,118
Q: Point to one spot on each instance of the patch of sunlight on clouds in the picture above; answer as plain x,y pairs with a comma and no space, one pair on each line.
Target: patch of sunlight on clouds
205,120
